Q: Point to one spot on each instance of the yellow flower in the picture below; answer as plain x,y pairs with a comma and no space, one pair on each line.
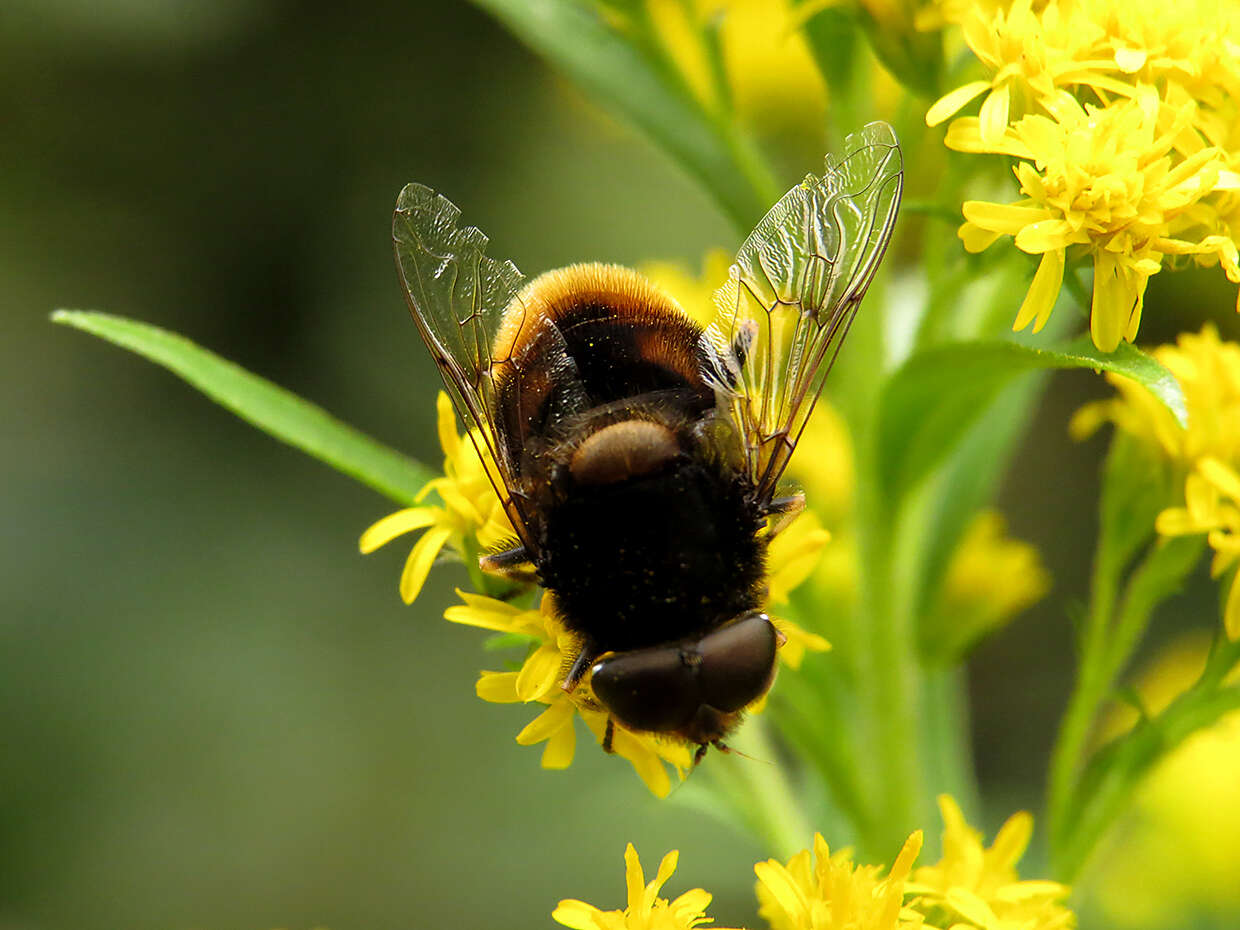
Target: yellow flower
827,892
1104,180
990,579
1188,804
1207,451
1124,119
551,651
645,909
972,886
471,509
1208,372
1212,506
1030,53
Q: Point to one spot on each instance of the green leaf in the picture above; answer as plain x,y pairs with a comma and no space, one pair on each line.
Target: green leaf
260,403
932,400
630,77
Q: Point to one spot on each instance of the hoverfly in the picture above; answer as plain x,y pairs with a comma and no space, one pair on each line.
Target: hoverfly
638,455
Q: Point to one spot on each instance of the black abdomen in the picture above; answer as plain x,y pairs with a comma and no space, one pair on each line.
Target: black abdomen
656,558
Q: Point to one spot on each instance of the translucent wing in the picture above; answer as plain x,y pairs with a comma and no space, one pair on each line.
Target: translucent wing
793,291
458,296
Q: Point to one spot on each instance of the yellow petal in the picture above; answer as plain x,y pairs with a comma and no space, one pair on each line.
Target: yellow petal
971,907
547,723
420,560
445,423
1175,521
500,619
634,880
993,118
783,889
951,102
692,903
1040,300
1221,476
666,867
645,762
975,238
908,855
577,914
497,687
540,673
1129,60
458,502
1113,301
1231,612
1013,838
397,524
561,746
1004,218
1043,236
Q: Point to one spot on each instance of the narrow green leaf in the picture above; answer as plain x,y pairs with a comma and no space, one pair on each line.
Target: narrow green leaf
260,403
930,402
630,80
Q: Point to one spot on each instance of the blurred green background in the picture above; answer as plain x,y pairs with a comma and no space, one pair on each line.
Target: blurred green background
213,712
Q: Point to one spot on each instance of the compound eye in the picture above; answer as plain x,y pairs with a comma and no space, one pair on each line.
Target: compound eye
737,662
647,689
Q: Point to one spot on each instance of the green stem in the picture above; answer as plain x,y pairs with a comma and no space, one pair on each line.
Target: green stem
1113,632
1113,775
1087,694
889,681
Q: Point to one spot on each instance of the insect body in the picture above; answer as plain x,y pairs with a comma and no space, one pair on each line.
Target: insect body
638,455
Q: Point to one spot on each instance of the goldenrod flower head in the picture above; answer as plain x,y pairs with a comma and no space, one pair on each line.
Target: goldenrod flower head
551,650
1208,449
975,886
1031,55
1188,804
645,910
990,579
827,892
1125,119
1208,372
1212,506
470,508
1104,180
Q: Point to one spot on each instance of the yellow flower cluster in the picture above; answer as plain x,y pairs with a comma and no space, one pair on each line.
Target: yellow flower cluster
975,886
551,651
1212,506
827,892
991,578
1123,121
646,910
471,510
971,888
1207,451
